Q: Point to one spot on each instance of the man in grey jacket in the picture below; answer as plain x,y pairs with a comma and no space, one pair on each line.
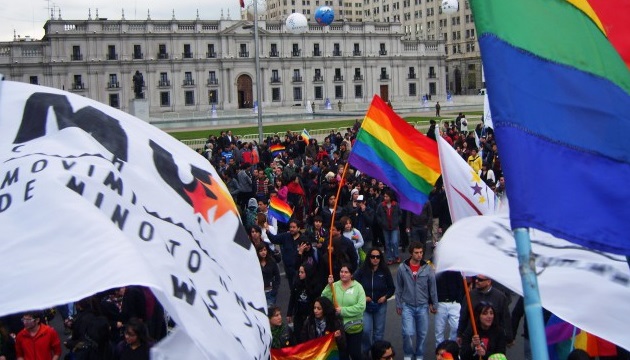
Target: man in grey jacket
416,295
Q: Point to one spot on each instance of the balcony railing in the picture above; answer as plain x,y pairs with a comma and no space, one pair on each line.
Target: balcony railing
76,57
336,52
338,78
187,55
384,77
411,76
432,75
112,56
243,54
78,86
162,56
382,52
138,56
317,53
274,53
213,81
275,79
113,84
318,78
211,54
297,79
356,53
296,52
188,82
358,77
164,83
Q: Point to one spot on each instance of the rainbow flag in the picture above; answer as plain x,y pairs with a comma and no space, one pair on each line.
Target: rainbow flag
559,334
323,348
558,78
276,149
305,136
280,209
391,150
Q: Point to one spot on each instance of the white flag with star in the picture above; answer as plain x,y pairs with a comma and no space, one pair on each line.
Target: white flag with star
467,194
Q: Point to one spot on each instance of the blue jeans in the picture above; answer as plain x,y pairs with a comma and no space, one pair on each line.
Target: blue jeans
392,239
415,323
373,326
271,297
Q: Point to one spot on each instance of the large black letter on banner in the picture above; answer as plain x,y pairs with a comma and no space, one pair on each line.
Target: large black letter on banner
168,170
103,128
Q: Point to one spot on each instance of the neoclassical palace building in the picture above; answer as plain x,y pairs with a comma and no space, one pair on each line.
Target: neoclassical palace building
192,65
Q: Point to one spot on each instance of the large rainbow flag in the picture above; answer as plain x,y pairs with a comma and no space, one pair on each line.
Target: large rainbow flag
559,93
391,150
323,348
279,209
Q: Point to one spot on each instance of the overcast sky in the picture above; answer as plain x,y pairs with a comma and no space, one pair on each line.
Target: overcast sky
27,17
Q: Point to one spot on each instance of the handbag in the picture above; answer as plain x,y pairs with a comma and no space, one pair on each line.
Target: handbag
353,326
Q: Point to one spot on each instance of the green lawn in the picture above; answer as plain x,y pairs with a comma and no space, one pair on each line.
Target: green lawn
283,127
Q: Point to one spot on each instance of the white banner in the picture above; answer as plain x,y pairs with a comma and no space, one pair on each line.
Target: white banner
466,193
587,288
92,198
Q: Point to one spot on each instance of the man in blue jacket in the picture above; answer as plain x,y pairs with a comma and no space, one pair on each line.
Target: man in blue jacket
416,295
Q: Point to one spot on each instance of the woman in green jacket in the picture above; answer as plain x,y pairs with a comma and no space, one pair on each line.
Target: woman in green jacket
349,304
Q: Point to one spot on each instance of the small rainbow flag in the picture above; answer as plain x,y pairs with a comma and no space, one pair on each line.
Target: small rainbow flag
559,333
276,149
323,348
306,136
280,209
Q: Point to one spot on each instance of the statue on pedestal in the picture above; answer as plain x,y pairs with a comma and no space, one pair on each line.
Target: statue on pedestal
138,83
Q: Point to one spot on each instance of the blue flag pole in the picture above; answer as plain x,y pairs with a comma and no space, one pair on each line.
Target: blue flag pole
531,295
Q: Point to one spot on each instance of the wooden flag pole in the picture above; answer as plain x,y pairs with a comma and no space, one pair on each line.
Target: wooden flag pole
471,312
332,223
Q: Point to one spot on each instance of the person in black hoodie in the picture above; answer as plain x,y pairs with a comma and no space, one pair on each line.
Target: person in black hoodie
303,294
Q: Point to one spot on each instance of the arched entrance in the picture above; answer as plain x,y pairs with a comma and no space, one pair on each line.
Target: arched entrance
244,91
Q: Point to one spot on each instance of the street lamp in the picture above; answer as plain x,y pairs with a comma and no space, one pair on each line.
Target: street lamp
257,70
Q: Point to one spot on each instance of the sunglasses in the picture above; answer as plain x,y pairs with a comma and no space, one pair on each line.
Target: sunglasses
375,256
480,280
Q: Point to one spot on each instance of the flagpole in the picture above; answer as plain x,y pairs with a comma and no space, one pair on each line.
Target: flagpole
533,306
471,313
332,223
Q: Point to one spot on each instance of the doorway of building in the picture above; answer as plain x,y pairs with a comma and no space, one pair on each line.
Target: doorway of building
244,91
385,93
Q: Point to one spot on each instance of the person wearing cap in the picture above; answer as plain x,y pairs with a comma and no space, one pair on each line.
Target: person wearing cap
37,341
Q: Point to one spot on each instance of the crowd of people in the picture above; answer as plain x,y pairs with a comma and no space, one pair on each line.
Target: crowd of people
344,292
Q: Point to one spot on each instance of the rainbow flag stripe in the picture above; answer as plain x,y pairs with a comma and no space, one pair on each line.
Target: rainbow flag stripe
391,150
276,149
558,80
280,209
323,348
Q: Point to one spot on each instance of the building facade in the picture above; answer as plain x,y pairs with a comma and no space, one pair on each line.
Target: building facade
420,20
193,65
